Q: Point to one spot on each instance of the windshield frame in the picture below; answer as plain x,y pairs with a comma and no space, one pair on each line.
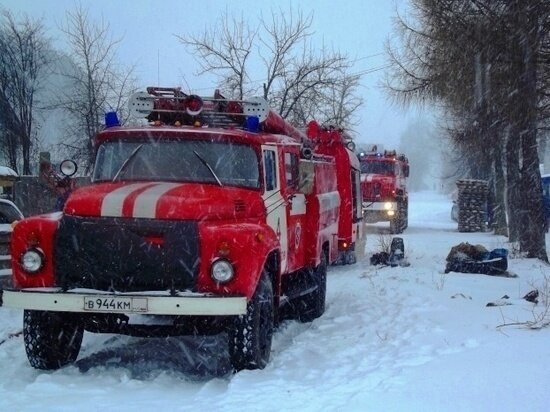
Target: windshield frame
145,141
386,162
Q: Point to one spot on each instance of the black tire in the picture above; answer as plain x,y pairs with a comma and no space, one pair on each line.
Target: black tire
251,334
312,305
52,339
401,219
405,215
396,226
350,257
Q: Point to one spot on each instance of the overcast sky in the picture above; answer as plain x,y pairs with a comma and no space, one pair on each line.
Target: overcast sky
358,28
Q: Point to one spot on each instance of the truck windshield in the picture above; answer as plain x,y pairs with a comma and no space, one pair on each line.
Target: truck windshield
178,160
378,167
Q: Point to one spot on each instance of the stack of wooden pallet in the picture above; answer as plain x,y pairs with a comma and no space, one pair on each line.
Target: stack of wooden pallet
472,205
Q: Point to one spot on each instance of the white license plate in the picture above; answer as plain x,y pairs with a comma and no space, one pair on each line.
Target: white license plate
115,304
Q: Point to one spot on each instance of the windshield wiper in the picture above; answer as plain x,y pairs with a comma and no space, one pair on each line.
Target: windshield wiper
204,162
126,162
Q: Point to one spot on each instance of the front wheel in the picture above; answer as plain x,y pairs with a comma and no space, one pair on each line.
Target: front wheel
251,334
52,339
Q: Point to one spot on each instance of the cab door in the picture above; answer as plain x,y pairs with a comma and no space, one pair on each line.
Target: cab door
295,210
274,201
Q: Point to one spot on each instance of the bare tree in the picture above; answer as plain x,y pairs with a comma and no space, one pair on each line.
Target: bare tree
224,50
333,104
282,36
99,84
529,18
22,61
300,81
481,59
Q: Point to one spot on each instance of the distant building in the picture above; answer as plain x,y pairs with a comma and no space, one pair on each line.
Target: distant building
7,179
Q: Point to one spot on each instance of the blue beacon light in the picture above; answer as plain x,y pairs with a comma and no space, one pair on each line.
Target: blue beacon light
252,124
111,119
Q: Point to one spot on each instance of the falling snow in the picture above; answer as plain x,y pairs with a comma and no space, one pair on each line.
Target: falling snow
404,339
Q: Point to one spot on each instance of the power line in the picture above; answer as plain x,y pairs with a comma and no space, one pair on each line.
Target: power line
368,57
359,73
372,70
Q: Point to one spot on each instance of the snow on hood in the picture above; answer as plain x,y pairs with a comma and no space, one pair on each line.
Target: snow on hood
164,200
391,339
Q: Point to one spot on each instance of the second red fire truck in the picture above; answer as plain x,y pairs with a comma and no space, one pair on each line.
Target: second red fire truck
216,215
384,187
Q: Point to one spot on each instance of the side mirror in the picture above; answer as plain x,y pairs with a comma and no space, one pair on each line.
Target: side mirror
68,168
306,177
406,170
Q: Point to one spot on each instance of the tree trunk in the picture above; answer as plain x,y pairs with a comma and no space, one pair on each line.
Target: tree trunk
532,238
26,151
499,205
533,242
513,189
12,150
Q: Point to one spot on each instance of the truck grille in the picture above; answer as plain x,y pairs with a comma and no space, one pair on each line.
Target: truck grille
5,257
126,255
371,192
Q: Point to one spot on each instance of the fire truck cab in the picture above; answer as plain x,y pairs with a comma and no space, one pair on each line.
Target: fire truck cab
384,187
215,214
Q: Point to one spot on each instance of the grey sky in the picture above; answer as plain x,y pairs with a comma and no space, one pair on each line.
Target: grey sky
356,27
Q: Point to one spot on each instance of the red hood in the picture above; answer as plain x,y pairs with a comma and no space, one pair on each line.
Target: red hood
163,200
381,184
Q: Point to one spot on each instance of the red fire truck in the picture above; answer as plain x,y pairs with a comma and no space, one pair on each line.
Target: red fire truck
384,187
213,214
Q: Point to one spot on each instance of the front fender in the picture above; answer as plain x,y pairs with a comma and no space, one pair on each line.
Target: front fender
39,232
245,245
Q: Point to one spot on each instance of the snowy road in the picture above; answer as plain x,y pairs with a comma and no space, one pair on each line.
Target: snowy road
407,339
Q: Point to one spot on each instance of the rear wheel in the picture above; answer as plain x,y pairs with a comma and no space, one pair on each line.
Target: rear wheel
251,334
405,212
401,219
396,225
312,305
350,257
52,339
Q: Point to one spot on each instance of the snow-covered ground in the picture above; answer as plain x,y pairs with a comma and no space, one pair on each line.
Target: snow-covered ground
405,338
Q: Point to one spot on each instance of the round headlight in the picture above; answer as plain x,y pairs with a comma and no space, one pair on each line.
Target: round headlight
387,205
32,260
222,271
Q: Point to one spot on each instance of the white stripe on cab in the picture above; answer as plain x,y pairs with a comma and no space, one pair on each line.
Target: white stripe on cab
113,202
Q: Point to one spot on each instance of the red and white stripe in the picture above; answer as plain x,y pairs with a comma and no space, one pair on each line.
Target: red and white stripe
135,200
145,204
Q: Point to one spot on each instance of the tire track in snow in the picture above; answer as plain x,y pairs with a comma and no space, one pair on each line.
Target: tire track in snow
362,342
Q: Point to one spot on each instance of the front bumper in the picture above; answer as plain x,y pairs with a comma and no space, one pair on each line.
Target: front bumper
380,206
146,303
374,212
